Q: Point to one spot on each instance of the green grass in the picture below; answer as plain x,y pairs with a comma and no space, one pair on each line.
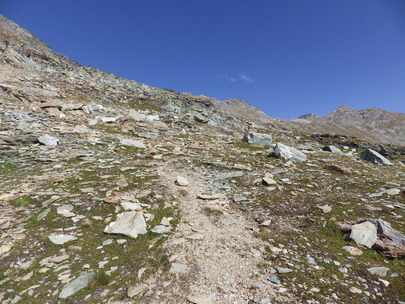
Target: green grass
19,202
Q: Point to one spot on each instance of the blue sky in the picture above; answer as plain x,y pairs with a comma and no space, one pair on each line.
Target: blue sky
286,57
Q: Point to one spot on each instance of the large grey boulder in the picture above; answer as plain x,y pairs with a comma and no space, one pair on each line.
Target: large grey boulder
74,286
375,157
286,152
258,138
128,223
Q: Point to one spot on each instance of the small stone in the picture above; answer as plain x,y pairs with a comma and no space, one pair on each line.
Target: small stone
131,206
140,273
65,210
268,181
161,229
43,214
136,290
352,250
393,191
380,271
181,181
16,299
325,208
355,290
273,279
199,299
132,143
60,239
265,223
59,259
283,270
48,140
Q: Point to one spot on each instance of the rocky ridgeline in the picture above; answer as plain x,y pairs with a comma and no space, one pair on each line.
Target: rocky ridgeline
116,192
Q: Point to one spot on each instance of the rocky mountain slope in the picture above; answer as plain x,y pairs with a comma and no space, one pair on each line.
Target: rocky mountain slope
116,192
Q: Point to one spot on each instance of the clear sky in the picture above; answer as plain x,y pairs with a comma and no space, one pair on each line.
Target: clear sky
287,57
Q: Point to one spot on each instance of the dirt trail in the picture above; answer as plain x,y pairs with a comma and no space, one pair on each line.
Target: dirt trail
215,243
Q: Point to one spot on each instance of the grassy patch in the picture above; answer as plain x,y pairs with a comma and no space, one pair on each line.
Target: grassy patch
19,202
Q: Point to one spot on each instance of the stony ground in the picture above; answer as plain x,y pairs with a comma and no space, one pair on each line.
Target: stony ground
218,234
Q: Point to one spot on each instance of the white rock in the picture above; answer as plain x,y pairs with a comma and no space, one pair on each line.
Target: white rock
60,239
380,271
269,181
325,208
131,206
81,129
352,250
393,191
110,119
161,229
48,140
364,234
181,181
132,143
128,223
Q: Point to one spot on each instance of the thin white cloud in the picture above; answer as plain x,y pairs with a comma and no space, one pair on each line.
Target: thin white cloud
245,77
226,78
239,77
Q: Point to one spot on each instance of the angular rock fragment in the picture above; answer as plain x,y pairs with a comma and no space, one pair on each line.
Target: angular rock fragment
132,143
128,223
352,250
48,140
332,149
181,181
380,271
364,234
375,157
136,290
74,286
60,239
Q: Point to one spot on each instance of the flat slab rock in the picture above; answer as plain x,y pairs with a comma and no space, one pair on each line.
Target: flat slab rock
132,143
74,286
60,239
128,223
